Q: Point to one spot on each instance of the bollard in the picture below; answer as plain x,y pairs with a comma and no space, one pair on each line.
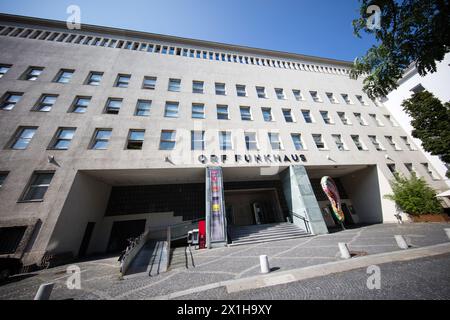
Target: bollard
401,242
264,261
345,254
447,231
44,291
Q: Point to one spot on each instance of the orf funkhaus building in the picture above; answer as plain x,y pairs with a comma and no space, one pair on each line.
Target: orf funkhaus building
106,133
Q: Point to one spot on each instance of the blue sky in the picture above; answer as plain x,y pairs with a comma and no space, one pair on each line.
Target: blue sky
313,27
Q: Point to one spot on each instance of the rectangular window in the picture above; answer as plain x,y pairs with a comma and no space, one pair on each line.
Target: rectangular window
32,74
174,85
123,81
168,140
100,139
39,183
287,113
22,138
171,109
344,118
376,143
307,116
135,139
94,78
64,76
407,143
360,119
274,140
246,114
222,112
326,117
225,140
390,120
4,68
410,168
261,92
391,167
315,96
113,106
297,140
375,119
391,141
358,143
346,98
45,103
339,143
149,83
143,108
62,139
80,104
331,97
361,100
297,94
280,93
220,89
267,114
9,100
430,172
3,176
197,140
241,91
198,111
319,141
197,86
250,141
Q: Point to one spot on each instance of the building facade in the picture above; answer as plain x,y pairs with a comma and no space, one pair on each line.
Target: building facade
106,132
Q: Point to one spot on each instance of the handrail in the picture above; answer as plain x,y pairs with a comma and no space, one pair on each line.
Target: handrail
305,221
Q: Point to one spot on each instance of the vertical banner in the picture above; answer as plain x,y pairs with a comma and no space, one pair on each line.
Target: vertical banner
331,190
215,214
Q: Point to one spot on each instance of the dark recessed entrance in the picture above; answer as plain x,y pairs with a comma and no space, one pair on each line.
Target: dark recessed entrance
123,230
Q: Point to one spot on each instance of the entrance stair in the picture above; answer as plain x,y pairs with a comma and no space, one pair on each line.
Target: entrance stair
181,258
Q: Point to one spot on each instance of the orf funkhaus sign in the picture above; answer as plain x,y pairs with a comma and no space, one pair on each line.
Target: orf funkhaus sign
215,210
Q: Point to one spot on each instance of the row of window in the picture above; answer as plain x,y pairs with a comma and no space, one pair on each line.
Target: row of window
101,137
163,49
171,110
149,82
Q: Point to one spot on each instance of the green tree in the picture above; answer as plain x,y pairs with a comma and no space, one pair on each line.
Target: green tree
410,31
414,196
431,123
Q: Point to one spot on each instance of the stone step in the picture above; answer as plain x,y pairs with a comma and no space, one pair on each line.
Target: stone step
271,230
268,234
254,241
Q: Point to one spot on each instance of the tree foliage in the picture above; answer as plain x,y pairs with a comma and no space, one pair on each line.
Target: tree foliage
411,31
414,196
431,123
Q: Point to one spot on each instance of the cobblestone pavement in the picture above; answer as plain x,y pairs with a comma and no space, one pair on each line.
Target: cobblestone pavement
100,278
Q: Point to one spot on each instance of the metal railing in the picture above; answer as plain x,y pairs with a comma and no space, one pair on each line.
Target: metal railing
305,221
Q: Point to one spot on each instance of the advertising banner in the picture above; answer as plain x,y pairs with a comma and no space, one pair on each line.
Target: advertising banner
215,207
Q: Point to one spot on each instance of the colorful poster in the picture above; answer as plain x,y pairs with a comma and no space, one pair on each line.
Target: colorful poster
217,220
331,190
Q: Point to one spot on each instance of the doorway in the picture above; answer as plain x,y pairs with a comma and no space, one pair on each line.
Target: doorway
123,230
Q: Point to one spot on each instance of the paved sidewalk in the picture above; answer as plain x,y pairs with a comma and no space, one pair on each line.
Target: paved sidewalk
100,278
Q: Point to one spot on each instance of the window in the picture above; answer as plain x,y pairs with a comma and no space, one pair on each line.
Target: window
135,139
331,97
250,141
101,139
3,176
319,141
430,172
143,108
39,183
225,140
375,119
149,83
246,114
198,111
390,120
297,94
171,109
222,112
297,140
339,143
307,116
376,143
32,73
361,100
23,137
9,101
410,168
418,88
174,85
197,86
360,119
45,103
325,117
113,106
4,69
220,89
168,140
261,92
346,98
267,114
274,140
122,81
288,115
197,140
80,104
64,76
358,143
407,143
94,78
62,139
280,93
344,118
391,141
241,90
391,167
315,96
